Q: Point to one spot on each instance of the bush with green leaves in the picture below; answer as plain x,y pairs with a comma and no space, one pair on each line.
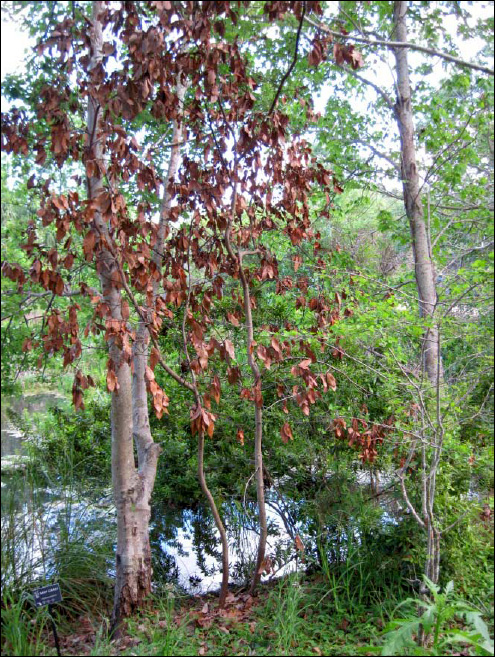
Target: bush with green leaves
75,441
447,623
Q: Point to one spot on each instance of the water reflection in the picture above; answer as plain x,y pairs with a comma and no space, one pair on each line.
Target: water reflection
187,545
40,518
185,542
12,438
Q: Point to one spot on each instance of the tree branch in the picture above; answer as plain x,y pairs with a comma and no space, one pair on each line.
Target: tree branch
374,86
401,44
294,60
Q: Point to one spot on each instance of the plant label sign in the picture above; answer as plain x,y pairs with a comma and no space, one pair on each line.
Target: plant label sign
47,595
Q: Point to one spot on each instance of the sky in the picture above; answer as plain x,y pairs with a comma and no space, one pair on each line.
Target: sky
14,43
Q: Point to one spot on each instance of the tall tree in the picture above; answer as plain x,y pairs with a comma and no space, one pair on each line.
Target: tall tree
179,67
433,402
420,239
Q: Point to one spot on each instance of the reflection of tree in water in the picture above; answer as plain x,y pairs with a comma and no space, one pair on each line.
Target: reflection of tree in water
243,531
336,519
206,541
242,523
195,525
164,526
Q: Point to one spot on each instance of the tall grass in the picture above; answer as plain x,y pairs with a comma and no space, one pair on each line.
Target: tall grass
285,606
21,532
361,578
48,535
22,629
348,580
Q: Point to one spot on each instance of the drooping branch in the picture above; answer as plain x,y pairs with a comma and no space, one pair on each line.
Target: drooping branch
143,317
402,44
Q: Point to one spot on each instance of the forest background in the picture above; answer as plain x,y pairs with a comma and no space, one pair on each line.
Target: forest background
266,230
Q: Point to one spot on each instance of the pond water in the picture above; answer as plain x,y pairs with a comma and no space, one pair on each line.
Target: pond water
184,540
38,519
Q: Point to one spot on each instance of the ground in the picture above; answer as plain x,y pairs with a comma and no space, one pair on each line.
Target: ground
282,619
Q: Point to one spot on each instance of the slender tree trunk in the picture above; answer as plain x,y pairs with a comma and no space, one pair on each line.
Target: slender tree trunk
258,431
218,521
201,454
426,286
260,494
131,486
423,263
423,266
258,413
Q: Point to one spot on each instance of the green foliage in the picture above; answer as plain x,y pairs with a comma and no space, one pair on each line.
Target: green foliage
14,218
22,630
363,567
468,554
361,556
434,617
75,441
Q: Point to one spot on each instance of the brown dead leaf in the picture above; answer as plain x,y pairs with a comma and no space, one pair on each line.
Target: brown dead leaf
231,598
286,433
248,600
233,319
266,566
229,348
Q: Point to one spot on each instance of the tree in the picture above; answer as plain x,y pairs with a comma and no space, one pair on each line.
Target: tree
201,217
433,401
223,198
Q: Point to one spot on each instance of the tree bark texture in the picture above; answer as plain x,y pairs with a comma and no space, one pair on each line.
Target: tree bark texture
131,486
141,426
425,284
423,263
147,450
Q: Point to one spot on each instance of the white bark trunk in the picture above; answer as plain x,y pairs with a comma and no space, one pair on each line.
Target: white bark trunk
423,264
131,487
425,283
